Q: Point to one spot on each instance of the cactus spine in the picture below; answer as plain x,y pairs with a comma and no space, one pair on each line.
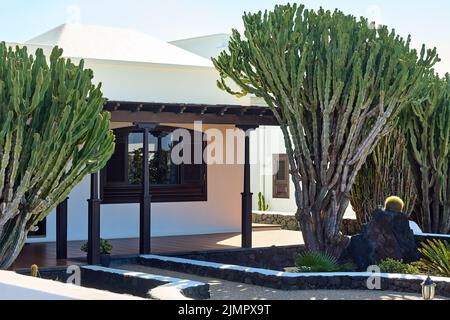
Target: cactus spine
335,83
53,133
428,134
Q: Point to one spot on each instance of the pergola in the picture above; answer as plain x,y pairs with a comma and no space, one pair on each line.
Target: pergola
147,116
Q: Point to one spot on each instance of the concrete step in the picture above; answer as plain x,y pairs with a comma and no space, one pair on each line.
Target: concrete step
265,227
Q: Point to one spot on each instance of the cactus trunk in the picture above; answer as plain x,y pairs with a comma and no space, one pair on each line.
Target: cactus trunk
427,125
335,84
54,132
387,172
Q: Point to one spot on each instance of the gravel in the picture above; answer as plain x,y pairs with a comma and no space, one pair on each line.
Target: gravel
225,290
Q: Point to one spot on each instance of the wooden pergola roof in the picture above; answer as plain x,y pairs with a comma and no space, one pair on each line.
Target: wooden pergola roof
153,112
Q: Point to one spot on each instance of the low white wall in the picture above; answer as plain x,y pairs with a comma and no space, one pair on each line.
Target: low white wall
18,287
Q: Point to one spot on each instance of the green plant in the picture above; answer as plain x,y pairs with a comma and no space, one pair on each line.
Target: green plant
321,262
336,85
53,133
436,258
262,206
387,171
427,128
398,266
105,247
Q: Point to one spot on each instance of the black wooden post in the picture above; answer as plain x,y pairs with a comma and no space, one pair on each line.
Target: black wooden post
94,223
247,220
61,230
145,235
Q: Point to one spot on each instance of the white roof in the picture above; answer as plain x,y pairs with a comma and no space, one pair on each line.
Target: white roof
105,43
206,46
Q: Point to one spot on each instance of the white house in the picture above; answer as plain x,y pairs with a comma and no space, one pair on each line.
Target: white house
145,73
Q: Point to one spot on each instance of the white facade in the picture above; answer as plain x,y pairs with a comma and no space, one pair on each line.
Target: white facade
171,75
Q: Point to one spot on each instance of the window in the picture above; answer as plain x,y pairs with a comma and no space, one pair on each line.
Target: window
122,177
281,177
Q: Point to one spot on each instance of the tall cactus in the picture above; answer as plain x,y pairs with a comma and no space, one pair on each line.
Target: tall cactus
53,133
428,134
335,83
386,172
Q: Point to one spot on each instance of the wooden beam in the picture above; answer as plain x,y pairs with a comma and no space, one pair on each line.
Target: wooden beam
223,111
94,222
61,230
182,110
183,113
247,196
204,109
145,215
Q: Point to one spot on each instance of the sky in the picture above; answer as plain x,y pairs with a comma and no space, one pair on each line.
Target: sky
20,20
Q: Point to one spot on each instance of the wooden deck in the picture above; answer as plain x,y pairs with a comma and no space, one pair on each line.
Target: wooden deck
44,254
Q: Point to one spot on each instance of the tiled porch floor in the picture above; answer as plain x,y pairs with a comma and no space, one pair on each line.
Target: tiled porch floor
44,254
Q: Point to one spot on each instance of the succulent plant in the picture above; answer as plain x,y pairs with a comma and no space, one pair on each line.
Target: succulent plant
53,133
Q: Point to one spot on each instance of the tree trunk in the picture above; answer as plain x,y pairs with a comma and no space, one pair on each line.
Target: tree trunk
12,240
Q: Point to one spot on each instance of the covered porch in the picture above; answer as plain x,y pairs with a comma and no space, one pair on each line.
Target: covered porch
145,117
44,254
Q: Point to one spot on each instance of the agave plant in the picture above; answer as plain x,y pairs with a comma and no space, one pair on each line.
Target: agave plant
436,258
321,262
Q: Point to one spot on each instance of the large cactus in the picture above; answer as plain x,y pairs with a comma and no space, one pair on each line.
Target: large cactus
428,134
53,133
334,83
386,172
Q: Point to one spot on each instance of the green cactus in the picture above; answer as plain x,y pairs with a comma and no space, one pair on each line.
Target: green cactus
53,133
427,126
262,206
386,172
336,84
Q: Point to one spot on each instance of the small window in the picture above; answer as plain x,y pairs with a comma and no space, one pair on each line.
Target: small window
281,177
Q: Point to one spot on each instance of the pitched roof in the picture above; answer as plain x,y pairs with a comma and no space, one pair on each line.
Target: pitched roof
206,46
104,43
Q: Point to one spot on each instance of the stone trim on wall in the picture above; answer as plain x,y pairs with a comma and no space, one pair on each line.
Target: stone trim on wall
274,258
143,284
294,281
350,227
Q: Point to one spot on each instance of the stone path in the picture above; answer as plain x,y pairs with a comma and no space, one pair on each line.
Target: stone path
225,290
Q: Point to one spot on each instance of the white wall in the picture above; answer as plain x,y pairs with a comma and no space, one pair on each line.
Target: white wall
160,83
267,142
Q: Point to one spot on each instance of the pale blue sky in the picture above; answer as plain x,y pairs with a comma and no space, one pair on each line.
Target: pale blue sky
426,21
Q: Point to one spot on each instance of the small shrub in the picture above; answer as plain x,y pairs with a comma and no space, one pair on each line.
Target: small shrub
436,258
105,247
398,266
321,262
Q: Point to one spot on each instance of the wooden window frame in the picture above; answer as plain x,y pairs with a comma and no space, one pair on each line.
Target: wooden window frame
124,193
277,184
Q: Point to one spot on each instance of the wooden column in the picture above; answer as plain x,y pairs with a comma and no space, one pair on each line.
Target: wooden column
61,230
247,220
146,199
94,222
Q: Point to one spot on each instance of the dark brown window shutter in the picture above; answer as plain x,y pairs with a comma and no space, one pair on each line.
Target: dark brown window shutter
116,167
281,177
194,173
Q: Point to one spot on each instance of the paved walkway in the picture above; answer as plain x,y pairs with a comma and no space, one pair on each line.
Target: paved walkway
225,290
